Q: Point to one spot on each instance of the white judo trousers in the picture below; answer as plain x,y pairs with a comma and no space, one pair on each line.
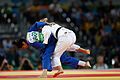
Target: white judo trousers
65,43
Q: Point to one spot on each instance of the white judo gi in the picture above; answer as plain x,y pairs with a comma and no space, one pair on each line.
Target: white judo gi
65,41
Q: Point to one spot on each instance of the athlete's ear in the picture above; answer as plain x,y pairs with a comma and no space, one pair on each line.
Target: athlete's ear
23,42
25,45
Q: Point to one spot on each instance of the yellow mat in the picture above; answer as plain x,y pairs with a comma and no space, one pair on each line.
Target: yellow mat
81,75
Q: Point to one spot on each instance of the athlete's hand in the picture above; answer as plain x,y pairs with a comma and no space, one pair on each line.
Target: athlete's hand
43,20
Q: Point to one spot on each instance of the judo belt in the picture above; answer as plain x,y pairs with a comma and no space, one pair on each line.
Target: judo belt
57,32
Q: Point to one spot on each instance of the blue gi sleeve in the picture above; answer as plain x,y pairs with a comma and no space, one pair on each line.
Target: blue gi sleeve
40,24
38,45
36,26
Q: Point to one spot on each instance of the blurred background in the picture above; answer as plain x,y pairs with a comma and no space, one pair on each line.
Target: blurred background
95,22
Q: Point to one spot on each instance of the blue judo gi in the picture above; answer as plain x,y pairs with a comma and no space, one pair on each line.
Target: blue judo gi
47,50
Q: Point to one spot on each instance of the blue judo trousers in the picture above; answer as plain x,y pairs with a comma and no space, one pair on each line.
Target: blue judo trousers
47,50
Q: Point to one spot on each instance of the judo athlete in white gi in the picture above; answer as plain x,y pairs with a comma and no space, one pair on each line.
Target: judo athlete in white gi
65,42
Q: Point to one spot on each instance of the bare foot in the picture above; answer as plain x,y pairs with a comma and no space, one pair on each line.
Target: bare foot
44,74
58,73
86,51
87,64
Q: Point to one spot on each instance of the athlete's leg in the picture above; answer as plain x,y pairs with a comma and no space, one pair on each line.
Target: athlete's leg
71,61
77,48
61,47
46,60
63,43
68,60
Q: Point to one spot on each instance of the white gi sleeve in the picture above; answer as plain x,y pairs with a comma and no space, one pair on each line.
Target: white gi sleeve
46,31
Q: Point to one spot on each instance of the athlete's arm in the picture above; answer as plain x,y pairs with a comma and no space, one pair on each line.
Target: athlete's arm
40,24
38,45
36,26
46,31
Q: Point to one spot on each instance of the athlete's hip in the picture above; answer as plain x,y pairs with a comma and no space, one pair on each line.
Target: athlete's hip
67,36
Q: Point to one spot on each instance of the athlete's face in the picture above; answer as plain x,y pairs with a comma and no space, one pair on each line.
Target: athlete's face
25,45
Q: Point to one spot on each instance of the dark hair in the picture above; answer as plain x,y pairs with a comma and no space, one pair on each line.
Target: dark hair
19,42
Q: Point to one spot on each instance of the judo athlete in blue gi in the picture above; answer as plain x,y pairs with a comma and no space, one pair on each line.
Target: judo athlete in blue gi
35,38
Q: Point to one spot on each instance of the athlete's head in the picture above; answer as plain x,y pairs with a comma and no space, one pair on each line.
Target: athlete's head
21,43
